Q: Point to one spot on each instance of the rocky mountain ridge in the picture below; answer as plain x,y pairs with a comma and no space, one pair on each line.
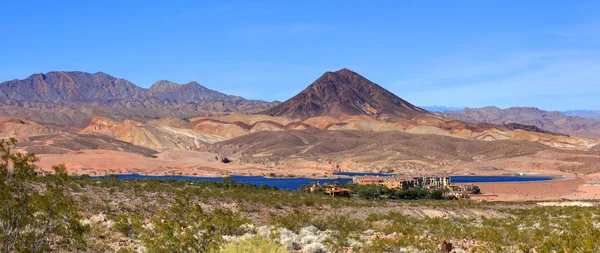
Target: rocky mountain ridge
552,121
80,88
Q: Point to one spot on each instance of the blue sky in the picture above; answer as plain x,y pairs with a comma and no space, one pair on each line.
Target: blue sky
453,53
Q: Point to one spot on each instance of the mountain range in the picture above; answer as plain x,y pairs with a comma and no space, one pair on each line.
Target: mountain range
589,114
341,117
548,120
73,99
80,88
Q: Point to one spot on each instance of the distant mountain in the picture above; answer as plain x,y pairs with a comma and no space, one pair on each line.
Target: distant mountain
71,99
63,87
345,93
590,114
439,108
80,88
190,92
552,121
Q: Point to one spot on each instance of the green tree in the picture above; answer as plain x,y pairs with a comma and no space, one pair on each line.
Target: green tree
57,215
14,193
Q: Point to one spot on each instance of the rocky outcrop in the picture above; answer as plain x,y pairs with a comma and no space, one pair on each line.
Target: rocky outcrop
515,126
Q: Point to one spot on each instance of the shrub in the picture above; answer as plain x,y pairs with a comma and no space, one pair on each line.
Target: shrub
308,202
51,210
294,221
129,225
185,227
255,244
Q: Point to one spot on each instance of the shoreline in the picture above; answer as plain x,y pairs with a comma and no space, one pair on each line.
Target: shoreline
212,176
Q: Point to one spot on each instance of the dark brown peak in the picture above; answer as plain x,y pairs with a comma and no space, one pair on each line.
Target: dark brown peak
345,92
342,76
346,71
342,72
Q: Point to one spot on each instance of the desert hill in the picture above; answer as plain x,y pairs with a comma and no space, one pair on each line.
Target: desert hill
168,133
44,139
20,128
175,133
67,143
389,151
343,93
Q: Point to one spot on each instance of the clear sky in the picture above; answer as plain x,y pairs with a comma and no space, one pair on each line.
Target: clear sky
453,53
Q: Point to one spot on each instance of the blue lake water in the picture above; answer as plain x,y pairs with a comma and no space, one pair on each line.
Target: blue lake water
281,183
294,183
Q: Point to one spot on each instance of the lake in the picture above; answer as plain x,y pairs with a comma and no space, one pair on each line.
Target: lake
294,183
281,183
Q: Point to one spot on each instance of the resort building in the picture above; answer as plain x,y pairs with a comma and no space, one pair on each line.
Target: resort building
432,182
368,180
337,191
403,182
330,189
398,182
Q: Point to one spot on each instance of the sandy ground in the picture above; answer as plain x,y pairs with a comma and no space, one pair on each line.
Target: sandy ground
172,162
531,191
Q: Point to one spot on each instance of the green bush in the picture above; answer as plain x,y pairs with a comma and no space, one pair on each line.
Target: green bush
185,227
294,221
255,244
50,211
129,225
